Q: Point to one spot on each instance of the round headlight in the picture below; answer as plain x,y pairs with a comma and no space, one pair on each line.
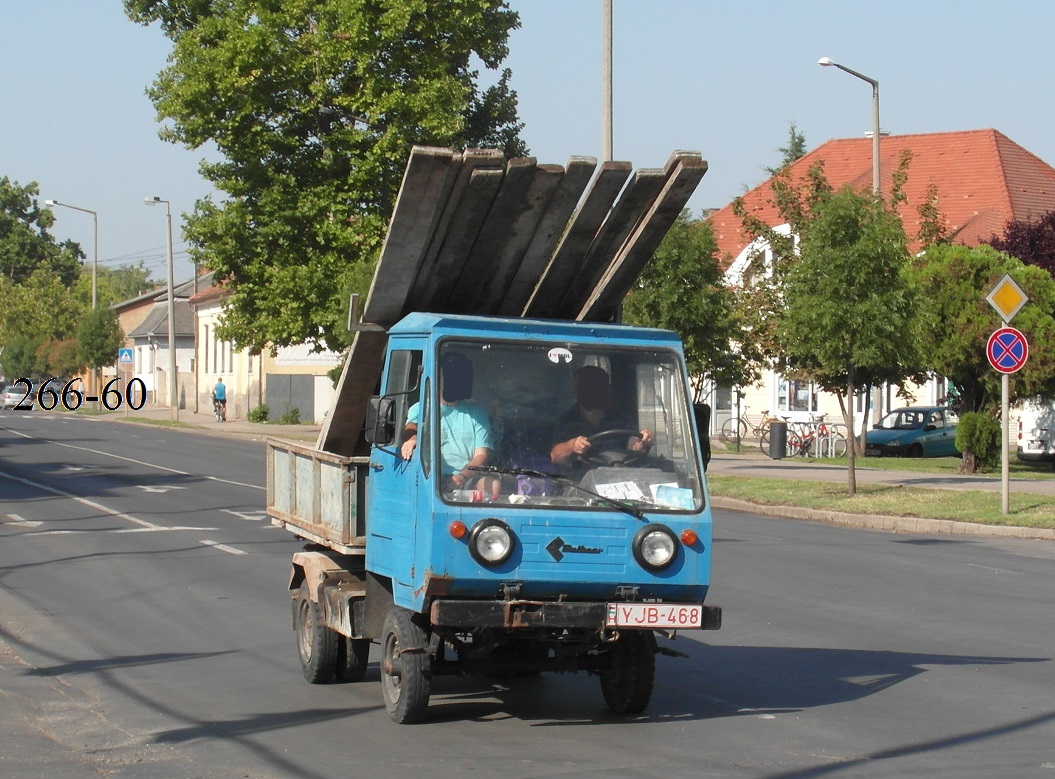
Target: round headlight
491,542
655,547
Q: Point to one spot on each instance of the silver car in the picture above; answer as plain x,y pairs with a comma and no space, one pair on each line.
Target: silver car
13,395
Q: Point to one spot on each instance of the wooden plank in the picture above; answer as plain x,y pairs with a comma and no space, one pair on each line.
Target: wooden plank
550,228
433,289
496,290
640,193
342,432
469,161
426,181
576,240
687,169
487,252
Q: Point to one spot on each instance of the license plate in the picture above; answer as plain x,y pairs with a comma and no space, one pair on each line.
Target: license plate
654,615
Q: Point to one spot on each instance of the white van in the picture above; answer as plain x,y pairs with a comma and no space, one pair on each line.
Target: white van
1036,429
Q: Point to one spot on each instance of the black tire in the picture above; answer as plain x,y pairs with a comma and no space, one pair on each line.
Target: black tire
730,428
316,643
406,668
353,654
916,450
627,683
763,442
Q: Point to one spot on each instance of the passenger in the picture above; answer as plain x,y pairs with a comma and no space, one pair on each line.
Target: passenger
592,414
465,432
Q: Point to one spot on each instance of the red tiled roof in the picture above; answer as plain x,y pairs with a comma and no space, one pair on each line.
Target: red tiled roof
983,180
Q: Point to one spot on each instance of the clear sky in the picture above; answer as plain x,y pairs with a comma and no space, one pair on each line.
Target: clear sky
723,78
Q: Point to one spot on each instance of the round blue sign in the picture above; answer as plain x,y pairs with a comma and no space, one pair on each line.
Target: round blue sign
1007,350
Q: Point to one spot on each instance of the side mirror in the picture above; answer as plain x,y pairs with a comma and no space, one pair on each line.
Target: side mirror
380,428
702,414
875,426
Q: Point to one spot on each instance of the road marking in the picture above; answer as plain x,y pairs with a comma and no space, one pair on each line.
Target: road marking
249,516
132,460
161,488
85,502
20,522
223,547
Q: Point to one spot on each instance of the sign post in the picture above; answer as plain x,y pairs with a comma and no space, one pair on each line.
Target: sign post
1007,351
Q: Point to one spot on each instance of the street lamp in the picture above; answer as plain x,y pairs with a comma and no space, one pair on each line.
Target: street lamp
173,392
827,62
95,258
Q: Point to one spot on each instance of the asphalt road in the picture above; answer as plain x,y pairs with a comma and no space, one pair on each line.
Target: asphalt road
145,631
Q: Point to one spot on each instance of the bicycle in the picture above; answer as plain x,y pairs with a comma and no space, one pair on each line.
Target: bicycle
829,442
737,428
220,410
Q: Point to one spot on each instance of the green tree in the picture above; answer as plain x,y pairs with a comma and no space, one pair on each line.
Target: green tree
40,308
99,337
682,289
25,243
314,106
115,285
953,282
19,357
796,149
850,314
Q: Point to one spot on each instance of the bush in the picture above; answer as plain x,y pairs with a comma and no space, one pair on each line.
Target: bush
258,414
290,417
978,434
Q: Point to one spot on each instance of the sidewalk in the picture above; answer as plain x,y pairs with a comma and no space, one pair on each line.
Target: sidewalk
207,424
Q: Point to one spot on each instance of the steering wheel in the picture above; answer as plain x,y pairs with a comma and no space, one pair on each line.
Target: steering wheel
612,448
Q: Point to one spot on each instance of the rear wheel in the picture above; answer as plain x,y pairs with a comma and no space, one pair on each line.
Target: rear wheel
316,643
406,671
731,429
916,450
794,445
353,654
627,683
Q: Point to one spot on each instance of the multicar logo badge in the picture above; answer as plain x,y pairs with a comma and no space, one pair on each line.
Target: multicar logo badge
558,549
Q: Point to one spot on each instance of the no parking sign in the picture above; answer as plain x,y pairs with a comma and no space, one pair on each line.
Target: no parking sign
1007,350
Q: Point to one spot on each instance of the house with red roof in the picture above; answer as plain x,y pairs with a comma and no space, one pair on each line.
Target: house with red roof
982,180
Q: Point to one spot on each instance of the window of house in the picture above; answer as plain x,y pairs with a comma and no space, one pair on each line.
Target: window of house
796,395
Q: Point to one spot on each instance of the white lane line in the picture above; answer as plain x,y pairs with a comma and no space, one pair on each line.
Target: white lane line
20,522
248,516
132,460
155,529
84,502
223,547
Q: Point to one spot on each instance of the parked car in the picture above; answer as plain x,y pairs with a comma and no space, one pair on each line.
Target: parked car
915,431
1036,430
12,396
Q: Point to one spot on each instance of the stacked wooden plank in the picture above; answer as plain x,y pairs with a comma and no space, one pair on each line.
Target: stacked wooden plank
473,233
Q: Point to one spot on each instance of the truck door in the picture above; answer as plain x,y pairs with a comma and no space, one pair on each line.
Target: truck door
394,483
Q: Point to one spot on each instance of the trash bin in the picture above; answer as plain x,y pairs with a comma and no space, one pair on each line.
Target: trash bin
778,440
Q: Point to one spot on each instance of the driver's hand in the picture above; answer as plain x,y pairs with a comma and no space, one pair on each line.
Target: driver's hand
580,445
644,442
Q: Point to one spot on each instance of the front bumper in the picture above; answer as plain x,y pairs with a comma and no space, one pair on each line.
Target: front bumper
516,614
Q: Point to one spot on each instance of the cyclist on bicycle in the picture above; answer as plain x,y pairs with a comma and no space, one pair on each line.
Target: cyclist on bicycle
219,399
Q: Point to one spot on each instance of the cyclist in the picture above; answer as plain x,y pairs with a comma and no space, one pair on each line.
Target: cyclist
219,400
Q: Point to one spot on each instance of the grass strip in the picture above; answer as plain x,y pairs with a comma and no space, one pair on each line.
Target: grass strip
980,506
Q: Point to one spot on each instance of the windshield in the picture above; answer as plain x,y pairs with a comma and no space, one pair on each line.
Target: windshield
902,419
574,426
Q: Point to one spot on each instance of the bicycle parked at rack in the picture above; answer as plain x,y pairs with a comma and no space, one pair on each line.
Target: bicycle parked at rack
804,436
737,428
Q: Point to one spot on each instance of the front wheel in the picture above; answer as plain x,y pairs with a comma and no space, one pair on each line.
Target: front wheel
406,670
733,429
627,682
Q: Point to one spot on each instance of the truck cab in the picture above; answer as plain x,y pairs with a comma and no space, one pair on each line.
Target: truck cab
553,557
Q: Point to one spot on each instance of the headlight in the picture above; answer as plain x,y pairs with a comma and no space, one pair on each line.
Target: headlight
491,542
655,547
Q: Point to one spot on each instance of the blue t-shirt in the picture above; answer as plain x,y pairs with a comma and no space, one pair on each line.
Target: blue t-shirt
220,391
464,428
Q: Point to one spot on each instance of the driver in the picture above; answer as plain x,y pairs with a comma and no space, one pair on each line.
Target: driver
592,414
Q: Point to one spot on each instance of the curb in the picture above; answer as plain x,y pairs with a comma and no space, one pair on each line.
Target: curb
885,523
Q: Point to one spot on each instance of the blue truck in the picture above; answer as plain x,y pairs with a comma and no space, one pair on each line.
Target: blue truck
530,557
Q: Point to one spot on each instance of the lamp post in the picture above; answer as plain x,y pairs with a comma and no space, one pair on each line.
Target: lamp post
95,257
606,81
172,391
827,62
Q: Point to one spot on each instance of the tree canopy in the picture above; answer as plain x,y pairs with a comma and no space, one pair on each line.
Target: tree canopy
1032,241
314,106
25,243
953,282
682,289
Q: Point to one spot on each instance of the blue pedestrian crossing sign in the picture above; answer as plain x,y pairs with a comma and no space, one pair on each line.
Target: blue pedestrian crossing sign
124,355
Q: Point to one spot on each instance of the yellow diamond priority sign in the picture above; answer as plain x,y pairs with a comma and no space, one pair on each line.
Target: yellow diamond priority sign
1007,298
